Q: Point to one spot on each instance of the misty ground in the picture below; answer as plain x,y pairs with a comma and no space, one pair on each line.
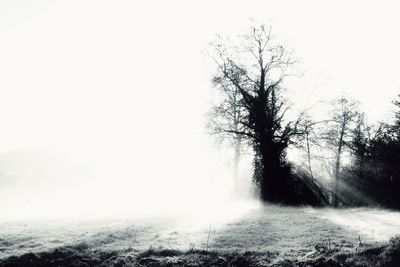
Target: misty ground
255,236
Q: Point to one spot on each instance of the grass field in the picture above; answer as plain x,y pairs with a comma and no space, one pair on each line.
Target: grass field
282,233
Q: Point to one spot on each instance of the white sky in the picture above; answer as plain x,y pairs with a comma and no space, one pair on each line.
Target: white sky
128,78
78,72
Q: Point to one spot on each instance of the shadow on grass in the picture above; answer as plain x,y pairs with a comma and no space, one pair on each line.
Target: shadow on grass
368,256
81,255
288,231
78,255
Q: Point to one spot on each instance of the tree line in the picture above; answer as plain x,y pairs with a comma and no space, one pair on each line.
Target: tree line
362,160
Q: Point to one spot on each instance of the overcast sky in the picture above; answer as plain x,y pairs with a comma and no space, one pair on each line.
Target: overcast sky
128,78
79,72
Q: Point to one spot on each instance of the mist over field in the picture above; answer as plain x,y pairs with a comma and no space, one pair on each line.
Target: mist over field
199,133
113,92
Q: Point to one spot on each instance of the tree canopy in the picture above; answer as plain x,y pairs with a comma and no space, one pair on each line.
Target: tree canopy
250,78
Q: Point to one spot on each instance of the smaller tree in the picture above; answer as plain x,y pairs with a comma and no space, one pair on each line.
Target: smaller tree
224,120
361,135
338,135
308,144
374,175
307,140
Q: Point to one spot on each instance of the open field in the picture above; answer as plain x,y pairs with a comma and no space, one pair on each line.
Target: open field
278,233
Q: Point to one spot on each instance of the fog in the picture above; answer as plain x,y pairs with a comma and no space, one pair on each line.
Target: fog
102,104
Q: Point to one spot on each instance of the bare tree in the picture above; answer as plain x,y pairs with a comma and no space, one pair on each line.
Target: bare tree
338,135
224,121
307,140
309,143
250,77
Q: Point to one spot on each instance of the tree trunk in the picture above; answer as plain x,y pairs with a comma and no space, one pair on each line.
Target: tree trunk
337,170
236,160
336,186
309,156
337,164
271,175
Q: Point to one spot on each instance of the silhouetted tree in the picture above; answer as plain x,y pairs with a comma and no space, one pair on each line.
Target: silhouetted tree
356,186
359,144
338,135
384,157
308,139
306,143
375,173
224,121
250,77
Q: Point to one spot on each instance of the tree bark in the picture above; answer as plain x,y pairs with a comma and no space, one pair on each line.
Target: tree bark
236,161
337,167
309,156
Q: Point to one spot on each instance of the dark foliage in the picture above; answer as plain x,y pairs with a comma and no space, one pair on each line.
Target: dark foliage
374,176
250,80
